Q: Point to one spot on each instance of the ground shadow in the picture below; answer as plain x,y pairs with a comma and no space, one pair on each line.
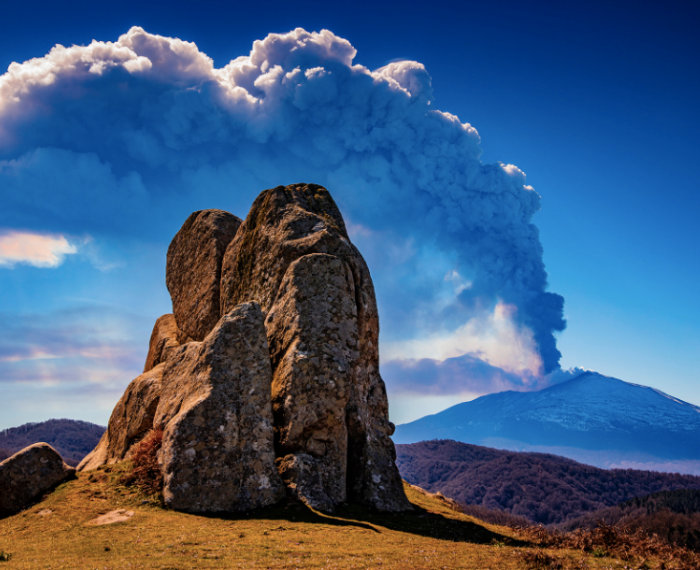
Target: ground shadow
419,521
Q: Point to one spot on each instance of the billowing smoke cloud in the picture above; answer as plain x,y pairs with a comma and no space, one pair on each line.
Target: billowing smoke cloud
466,374
129,137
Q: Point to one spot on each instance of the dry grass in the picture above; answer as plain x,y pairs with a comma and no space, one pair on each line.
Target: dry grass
287,536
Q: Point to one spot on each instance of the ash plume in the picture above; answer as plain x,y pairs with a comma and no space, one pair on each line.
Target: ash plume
137,133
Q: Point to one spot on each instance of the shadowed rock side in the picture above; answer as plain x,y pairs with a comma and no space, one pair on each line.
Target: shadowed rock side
284,225
131,420
165,338
28,474
193,270
216,415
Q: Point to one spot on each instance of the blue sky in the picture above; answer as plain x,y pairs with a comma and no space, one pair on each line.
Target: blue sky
595,103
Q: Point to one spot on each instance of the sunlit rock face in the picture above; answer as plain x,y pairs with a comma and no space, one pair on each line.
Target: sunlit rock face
130,422
322,324
165,338
193,269
28,474
269,377
216,418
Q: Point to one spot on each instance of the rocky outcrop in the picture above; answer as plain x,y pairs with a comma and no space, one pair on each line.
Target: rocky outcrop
131,420
193,269
165,338
216,416
284,225
268,377
28,474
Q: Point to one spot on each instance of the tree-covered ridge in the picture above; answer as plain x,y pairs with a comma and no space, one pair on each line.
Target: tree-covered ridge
542,488
73,439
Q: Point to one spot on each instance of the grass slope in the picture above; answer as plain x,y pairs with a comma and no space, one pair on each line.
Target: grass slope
288,536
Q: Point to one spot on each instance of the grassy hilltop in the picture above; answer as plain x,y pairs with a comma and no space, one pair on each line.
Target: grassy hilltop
55,533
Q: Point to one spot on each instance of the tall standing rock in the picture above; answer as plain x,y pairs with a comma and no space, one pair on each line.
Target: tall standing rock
246,403
284,225
193,269
216,415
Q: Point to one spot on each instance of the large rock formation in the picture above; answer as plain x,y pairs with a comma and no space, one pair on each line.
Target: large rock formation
278,358
28,474
284,225
193,269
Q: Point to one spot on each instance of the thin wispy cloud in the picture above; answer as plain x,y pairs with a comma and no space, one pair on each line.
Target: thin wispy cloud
84,345
38,250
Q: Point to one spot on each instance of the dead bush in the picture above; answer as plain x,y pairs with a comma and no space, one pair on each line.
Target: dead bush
145,472
635,546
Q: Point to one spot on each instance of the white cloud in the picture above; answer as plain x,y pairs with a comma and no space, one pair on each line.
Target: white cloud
33,249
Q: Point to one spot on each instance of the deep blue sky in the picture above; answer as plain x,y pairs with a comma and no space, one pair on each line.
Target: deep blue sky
596,102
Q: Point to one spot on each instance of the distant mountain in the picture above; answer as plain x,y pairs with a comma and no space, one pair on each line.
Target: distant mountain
542,488
592,418
73,439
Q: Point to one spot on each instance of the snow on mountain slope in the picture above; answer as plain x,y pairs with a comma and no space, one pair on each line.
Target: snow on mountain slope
591,412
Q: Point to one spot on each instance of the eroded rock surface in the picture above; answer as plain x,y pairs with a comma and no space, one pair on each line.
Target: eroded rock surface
284,225
165,338
131,420
193,269
216,415
28,474
268,376
311,384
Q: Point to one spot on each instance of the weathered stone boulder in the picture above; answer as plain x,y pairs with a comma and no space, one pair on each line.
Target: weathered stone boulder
165,338
193,269
331,422
314,327
216,415
28,474
131,420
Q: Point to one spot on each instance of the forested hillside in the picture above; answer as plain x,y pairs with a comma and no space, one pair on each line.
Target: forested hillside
73,439
542,488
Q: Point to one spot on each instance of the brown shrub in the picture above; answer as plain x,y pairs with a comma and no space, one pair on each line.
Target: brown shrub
145,472
540,560
493,516
626,544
